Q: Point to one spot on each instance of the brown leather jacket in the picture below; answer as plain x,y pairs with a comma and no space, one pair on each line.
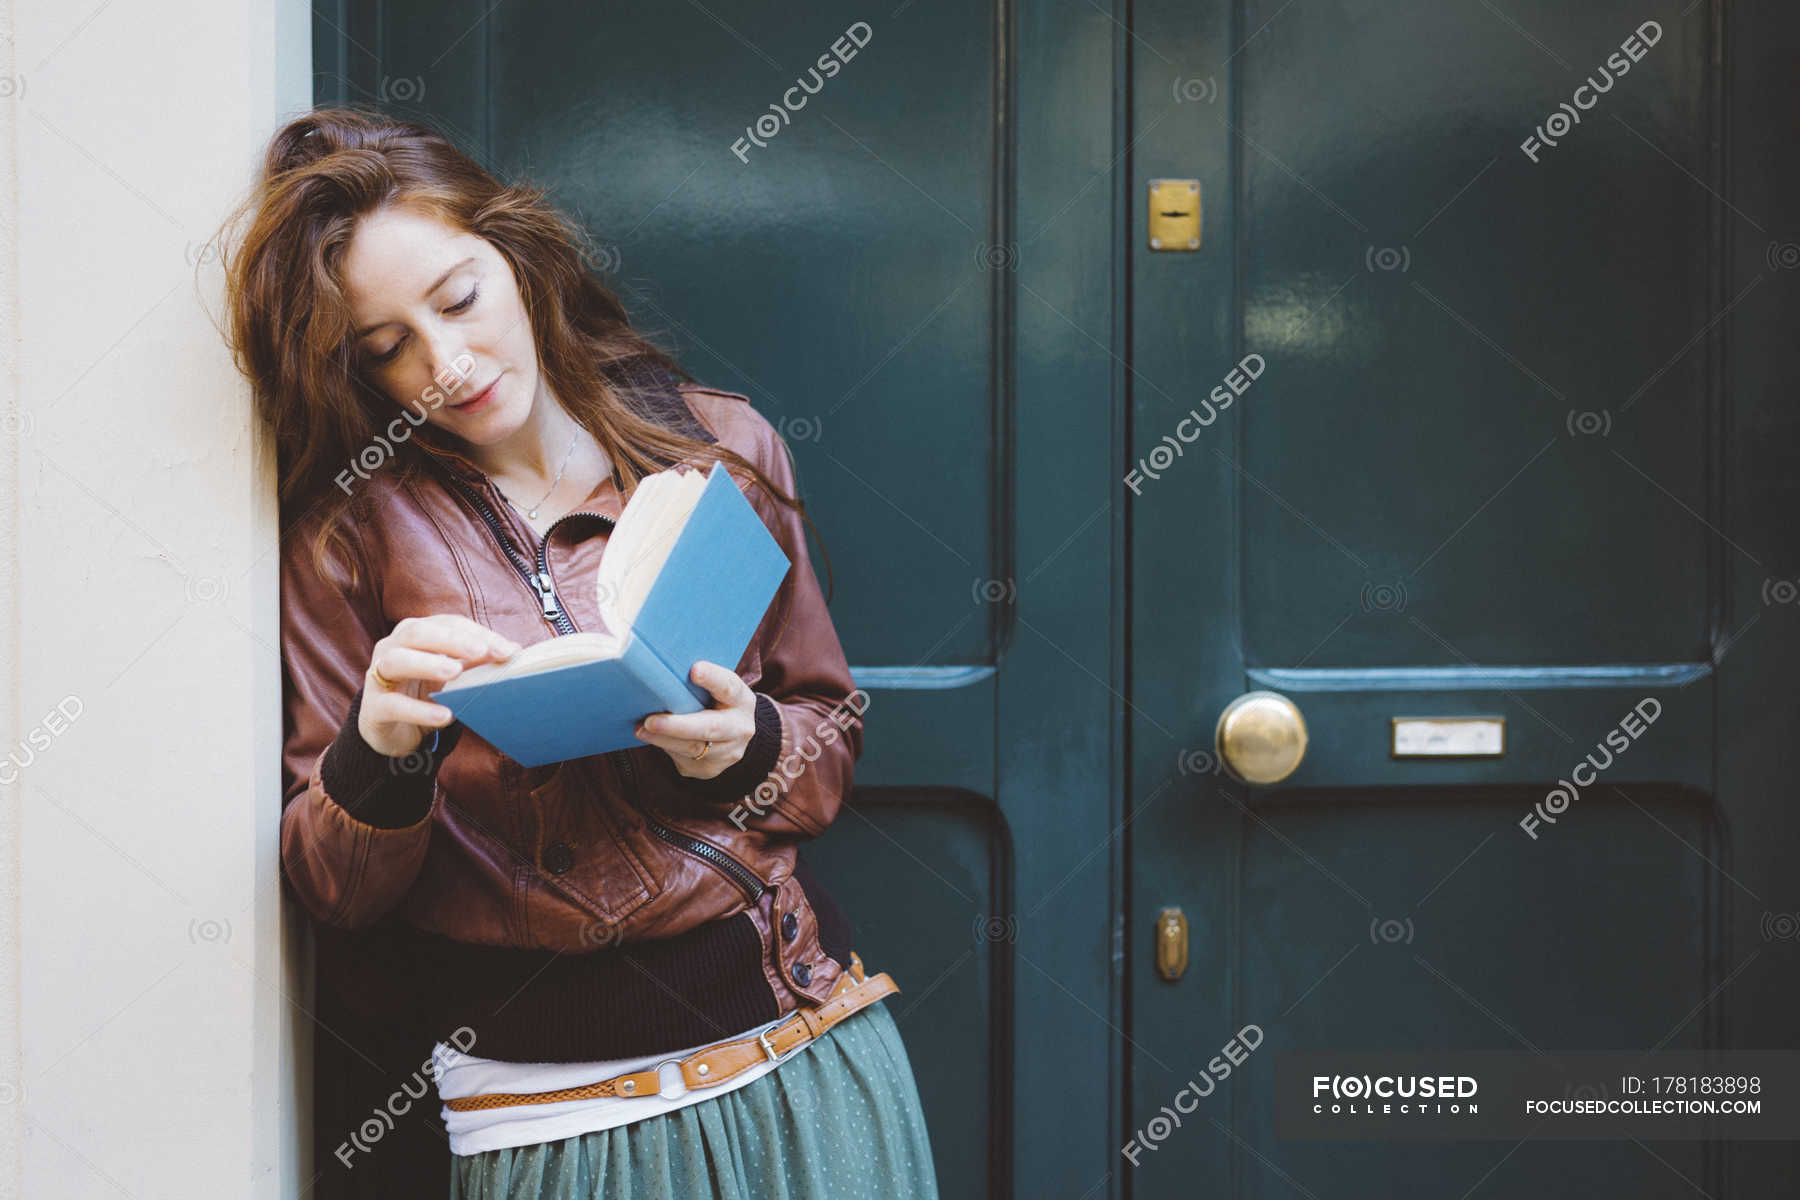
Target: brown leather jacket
617,847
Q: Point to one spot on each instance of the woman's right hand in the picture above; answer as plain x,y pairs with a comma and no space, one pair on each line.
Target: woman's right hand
422,653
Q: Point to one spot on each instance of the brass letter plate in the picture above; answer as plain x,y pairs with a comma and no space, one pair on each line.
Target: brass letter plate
1171,943
1448,737
1174,214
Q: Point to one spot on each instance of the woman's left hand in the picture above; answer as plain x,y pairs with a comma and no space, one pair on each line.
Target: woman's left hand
728,725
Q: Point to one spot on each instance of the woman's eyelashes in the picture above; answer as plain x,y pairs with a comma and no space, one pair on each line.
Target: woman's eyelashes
459,307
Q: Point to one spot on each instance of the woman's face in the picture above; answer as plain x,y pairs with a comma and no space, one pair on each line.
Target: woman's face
437,321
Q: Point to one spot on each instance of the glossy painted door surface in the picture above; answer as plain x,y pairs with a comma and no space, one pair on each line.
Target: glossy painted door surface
1518,446
882,269
1514,448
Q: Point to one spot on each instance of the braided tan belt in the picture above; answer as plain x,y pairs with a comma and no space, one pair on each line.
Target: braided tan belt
720,1062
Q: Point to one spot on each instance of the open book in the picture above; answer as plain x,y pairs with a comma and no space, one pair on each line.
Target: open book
688,573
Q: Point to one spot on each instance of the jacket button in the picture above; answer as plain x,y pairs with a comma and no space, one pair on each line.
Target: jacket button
802,973
790,927
558,858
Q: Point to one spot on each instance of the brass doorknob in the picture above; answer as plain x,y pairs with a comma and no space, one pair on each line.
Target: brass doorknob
1261,737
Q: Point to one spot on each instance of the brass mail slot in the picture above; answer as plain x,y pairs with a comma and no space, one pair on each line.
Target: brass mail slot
1448,737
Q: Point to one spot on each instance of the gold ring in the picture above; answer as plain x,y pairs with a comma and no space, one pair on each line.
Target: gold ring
703,751
381,681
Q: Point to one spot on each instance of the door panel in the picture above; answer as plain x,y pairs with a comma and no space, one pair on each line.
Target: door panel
1491,464
1423,428
1579,944
796,273
941,863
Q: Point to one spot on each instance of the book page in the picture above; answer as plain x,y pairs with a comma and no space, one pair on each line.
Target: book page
563,651
647,529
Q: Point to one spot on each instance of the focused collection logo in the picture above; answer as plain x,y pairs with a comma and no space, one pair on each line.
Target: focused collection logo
1395,1095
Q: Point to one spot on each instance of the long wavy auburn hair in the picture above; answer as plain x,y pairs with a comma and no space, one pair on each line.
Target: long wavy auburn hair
291,332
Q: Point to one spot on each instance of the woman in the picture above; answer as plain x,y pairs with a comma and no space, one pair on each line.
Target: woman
634,985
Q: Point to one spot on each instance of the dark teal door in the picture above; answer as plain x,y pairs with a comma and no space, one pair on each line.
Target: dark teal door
934,345
1515,449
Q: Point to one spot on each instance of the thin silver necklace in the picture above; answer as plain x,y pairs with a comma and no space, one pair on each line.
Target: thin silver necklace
532,514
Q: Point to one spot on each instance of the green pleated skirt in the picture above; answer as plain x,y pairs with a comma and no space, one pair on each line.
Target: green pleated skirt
840,1120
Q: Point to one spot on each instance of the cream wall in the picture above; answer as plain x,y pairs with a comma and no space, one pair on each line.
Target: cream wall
150,1015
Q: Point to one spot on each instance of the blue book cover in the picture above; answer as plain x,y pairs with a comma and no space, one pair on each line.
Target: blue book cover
707,600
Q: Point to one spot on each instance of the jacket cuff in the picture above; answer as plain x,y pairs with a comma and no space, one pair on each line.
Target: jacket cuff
379,790
742,777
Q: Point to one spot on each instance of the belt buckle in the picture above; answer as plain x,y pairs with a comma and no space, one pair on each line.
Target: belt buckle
762,1039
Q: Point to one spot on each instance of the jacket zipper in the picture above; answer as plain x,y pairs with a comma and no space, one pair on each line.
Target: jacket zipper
734,870
554,613
539,580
